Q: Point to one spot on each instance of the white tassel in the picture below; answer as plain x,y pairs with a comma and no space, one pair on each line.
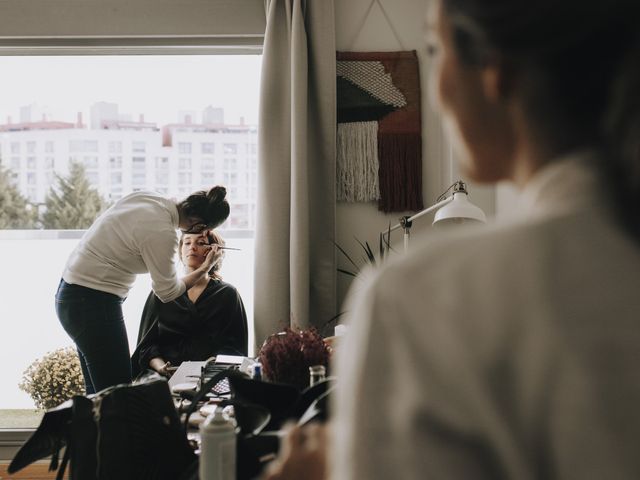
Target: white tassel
357,162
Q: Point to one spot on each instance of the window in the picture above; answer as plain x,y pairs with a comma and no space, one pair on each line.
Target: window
207,179
230,148
90,161
139,147
231,179
117,161
208,147
115,147
139,178
230,164
208,163
116,178
139,163
93,177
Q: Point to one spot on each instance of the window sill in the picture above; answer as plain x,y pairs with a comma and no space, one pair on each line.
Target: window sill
12,440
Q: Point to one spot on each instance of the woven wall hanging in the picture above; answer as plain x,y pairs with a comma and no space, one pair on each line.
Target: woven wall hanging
379,140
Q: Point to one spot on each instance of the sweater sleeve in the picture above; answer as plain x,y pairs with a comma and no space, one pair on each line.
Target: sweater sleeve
158,251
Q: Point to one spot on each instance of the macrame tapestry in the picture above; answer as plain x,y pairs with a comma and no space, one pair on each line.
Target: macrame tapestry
379,142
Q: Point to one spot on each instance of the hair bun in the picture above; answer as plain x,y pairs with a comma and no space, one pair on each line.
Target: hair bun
217,194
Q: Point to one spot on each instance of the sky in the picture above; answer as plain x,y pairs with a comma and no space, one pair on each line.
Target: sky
157,86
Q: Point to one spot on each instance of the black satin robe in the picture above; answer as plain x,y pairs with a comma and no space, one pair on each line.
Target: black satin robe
182,330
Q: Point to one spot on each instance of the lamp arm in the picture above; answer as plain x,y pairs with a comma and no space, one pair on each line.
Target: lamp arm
406,221
430,209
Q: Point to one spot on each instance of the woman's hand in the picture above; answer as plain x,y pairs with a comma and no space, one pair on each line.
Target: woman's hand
213,256
303,455
159,365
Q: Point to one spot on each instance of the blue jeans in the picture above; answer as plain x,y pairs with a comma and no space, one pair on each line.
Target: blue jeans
94,321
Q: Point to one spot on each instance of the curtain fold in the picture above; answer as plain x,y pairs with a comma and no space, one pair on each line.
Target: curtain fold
295,267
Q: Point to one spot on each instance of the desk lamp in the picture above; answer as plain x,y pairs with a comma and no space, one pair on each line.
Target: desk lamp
455,208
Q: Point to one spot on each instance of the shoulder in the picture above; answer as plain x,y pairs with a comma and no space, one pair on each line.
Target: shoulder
472,253
223,289
466,285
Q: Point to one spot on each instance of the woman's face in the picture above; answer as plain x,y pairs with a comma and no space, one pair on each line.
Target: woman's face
194,250
474,112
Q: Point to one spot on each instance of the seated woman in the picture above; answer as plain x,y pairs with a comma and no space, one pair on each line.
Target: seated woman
207,320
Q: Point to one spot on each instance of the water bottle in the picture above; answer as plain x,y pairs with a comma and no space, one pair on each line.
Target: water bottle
218,447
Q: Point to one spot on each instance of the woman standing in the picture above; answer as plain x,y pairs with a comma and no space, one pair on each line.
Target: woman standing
136,235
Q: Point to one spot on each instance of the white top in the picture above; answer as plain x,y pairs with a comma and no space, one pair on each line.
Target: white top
136,235
506,351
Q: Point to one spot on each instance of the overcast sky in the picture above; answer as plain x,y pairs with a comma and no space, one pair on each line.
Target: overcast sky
156,86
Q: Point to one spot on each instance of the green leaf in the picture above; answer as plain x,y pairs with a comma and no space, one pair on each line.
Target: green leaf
347,272
346,255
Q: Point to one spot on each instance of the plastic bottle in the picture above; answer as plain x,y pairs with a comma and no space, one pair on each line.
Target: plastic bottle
317,373
218,447
256,373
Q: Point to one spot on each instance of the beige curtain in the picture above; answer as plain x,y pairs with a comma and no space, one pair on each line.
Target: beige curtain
295,277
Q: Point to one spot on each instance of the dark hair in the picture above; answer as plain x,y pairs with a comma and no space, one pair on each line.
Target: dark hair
213,238
578,70
211,206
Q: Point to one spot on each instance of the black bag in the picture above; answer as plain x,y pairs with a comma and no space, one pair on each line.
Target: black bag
124,432
260,410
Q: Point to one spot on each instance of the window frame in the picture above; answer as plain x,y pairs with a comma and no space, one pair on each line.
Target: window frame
122,27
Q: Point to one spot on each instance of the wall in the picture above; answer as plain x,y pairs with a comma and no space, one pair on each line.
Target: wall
439,168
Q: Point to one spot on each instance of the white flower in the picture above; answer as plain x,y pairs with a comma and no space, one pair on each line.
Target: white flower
54,378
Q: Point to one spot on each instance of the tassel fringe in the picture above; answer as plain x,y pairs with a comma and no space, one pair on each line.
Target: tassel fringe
400,172
357,162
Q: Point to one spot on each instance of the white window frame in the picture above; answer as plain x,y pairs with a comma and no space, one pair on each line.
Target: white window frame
126,27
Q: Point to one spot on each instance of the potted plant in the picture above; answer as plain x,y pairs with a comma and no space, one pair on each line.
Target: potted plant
54,378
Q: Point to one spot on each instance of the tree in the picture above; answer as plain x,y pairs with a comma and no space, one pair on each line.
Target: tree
15,211
72,203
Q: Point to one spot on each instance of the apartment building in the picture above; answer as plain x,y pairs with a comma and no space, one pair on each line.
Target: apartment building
121,155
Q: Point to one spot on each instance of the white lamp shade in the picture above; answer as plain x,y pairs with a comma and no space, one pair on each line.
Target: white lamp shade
460,209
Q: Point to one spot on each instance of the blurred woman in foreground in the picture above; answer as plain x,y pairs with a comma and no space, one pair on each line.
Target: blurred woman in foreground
510,351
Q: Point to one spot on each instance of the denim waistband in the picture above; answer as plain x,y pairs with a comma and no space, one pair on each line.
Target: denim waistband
72,290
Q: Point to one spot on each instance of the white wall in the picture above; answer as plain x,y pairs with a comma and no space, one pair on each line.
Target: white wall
439,171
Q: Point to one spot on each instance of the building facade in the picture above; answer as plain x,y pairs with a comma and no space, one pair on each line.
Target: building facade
121,156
